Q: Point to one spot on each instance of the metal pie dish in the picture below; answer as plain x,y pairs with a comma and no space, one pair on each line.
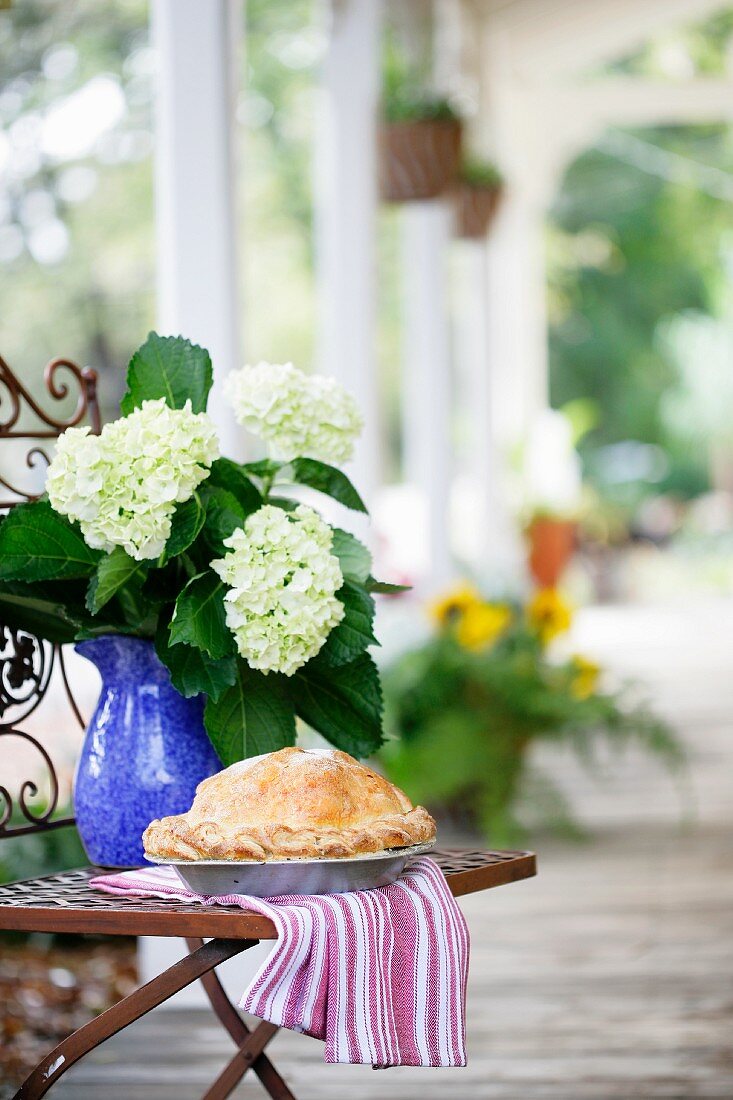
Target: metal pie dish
271,878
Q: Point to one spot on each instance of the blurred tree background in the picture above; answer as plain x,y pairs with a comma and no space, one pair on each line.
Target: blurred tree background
640,260
76,248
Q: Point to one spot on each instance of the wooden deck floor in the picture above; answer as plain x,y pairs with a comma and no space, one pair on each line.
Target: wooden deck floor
609,976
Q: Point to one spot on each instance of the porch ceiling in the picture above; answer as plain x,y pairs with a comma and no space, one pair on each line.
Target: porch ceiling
565,37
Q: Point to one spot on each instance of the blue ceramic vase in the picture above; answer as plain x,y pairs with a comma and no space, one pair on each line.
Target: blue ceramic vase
144,753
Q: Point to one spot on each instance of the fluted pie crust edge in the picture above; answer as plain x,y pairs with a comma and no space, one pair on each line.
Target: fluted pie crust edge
340,809
174,838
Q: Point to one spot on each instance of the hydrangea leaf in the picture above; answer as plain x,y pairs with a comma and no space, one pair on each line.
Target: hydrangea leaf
255,715
225,474
114,571
264,467
355,559
37,544
327,479
188,519
45,618
385,588
192,671
169,367
354,633
199,617
224,514
344,704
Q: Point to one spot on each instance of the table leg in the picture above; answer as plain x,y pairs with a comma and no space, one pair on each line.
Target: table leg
125,1012
251,1043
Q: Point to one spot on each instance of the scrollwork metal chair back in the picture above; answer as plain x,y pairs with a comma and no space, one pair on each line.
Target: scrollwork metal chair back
26,661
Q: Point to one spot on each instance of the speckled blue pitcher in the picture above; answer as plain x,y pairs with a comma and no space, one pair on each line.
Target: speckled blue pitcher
145,751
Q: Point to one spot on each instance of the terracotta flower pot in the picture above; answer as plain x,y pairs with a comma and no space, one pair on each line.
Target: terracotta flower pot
476,207
418,160
551,546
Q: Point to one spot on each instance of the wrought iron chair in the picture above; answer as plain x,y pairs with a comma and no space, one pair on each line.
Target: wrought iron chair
64,902
27,663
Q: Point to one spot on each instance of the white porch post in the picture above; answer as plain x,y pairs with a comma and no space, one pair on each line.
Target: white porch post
197,68
346,197
426,396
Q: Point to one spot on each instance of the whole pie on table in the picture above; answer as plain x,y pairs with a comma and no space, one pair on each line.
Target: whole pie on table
291,804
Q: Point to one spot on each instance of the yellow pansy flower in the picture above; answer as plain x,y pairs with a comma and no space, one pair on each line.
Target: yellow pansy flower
449,607
481,624
585,681
549,614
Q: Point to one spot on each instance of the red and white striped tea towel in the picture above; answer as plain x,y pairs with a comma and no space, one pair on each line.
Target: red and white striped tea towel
379,974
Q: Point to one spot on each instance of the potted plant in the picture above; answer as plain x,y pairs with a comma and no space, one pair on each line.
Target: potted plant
551,539
553,488
478,193
216,608
419,144
466,706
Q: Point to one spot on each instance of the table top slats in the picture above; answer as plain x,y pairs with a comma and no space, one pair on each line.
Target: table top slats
66,903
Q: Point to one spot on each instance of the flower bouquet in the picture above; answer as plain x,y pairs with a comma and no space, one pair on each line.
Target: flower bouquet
245,599
468,704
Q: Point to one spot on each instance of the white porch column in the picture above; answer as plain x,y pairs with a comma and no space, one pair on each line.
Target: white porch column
346,206
518,312
489,539
198,46
426,396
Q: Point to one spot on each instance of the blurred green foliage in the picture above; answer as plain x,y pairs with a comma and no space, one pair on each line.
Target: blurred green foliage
465,718
45,853
76,241
481,173
637,239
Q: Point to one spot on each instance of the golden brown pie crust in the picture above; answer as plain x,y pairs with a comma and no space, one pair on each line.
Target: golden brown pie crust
291,804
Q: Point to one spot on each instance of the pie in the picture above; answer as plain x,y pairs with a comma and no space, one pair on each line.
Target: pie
291,804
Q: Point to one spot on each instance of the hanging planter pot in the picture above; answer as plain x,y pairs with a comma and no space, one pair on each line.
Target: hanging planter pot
551,546
418,158
476,206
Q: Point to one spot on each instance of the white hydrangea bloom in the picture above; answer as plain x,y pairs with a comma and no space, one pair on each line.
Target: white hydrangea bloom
296,413
282,580
123,486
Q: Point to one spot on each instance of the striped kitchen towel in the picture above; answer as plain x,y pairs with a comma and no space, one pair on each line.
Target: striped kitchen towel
380,974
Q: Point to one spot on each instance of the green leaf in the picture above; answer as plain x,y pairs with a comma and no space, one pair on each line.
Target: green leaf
199,618
264,467
344,703
163,585
224,514
193,671
225,474
354,633
169,367
38,544
188,519
43,618
114,571
327,479
385,588
355,559
284,503
253,716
